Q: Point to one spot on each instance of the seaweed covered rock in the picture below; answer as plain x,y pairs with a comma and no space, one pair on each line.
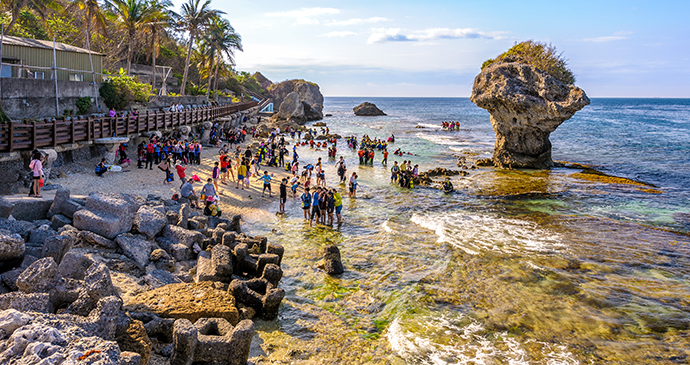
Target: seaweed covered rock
526,105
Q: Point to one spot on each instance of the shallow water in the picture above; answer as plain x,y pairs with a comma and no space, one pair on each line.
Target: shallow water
515,267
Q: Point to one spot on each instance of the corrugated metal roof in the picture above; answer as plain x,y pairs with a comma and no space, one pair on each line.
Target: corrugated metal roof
35,43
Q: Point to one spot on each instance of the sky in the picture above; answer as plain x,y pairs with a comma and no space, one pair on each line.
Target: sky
435,48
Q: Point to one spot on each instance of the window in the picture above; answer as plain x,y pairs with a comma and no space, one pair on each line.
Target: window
76,77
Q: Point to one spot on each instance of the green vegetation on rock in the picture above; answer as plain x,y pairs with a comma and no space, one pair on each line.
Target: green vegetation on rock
540,55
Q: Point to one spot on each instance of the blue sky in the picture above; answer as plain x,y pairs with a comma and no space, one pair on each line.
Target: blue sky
435,48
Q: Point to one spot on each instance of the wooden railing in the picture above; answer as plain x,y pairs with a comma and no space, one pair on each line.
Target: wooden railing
18,136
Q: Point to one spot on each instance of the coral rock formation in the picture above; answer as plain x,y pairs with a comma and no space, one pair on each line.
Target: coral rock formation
526,105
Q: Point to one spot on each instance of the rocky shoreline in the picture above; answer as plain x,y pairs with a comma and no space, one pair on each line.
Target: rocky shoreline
122,279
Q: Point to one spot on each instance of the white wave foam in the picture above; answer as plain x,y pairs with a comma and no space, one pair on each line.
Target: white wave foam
429,125
439,139
386,227
465,343
475,232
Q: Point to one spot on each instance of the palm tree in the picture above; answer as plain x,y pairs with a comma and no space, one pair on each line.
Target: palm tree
133,16
93,14
193,17
15,7
221,39
160,18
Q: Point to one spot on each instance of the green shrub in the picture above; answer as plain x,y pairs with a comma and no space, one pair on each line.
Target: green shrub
120,90
83,105
540,55
112,97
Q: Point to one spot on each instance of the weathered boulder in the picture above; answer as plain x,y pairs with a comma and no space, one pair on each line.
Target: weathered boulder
106,215
29,209
95,239
21,228
331,260
306,105
526,105
6,208
135,339
39,277
41,343
183,236
97,281
367,109
74,265
34,302
211,340
158,278
189,301
62,204
58,221
56,246
149,221
11,245
135,248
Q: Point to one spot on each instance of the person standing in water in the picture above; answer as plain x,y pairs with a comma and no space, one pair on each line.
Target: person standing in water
353,185
306,202
283,194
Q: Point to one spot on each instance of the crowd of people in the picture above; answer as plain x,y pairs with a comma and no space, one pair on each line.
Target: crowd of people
236,166
450,126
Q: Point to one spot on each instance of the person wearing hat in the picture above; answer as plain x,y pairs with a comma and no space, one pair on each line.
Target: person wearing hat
211,208
187,192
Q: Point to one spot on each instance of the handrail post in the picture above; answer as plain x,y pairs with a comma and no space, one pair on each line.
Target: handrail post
89,130
10,136
54,132
33,135
72,137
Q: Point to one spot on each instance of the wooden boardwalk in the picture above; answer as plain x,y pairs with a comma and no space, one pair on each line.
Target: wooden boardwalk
21,136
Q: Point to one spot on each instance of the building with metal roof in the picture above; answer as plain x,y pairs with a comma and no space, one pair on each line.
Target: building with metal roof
33,58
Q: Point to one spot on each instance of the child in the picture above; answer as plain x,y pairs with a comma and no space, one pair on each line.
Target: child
267,183
294,184
241,174
180,172
216,175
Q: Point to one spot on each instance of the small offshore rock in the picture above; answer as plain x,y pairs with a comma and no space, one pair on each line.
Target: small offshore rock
331,259
367,109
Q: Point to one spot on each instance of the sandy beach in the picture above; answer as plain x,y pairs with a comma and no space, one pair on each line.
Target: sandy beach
141,182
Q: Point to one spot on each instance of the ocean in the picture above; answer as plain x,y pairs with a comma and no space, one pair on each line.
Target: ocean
515,266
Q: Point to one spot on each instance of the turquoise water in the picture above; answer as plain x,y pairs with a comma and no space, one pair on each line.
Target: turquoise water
515,267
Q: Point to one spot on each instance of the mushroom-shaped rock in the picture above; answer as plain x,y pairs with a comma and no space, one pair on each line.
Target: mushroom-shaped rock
526,105
367,109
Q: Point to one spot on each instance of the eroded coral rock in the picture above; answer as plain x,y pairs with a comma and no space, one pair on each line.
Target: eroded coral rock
526,105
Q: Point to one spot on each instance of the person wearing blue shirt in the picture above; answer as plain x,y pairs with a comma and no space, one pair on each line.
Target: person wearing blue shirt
306,202
315,210
267,183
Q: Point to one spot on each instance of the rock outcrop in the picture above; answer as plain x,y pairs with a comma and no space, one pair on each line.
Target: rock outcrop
297,100
526,105
367,109
62,290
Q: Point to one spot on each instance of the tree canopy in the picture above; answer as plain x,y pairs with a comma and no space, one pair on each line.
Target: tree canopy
540,55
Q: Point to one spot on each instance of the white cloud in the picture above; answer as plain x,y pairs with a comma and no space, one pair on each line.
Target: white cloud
382,35
338,34
615,37
357,21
